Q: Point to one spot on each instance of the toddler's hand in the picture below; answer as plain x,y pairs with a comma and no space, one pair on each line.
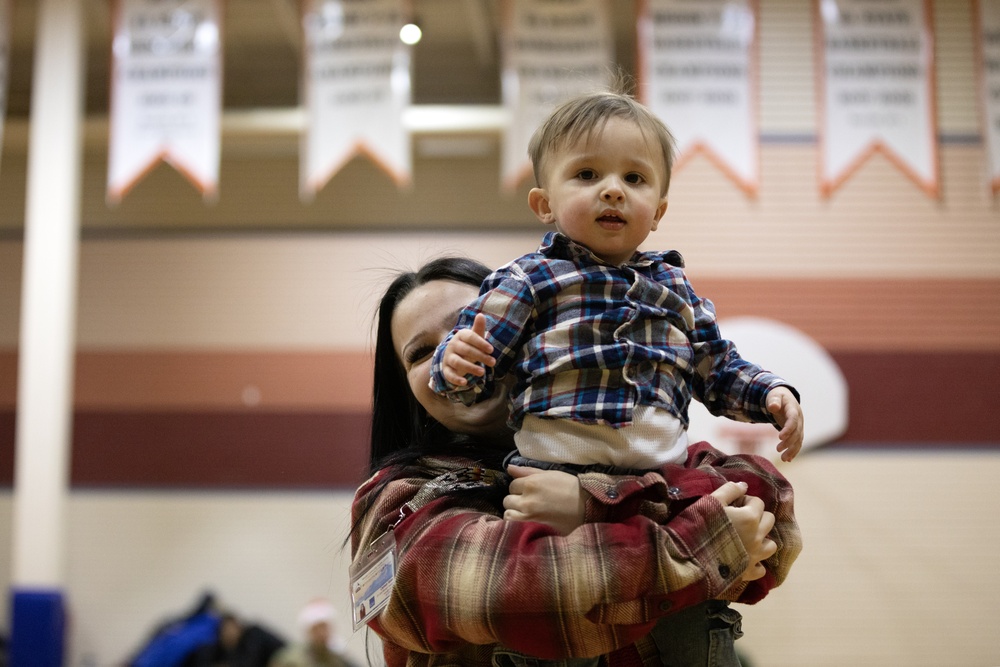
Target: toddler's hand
787,412
467,353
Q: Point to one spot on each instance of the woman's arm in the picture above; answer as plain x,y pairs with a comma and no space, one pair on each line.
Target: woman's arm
465,575
765,482
660,495
557,499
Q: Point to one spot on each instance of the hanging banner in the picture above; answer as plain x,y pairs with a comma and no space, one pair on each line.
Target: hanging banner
988,36
698,69
357,86
876,86
166,88
552,51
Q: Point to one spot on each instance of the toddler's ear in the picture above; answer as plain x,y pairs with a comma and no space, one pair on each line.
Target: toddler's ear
538,200
660,210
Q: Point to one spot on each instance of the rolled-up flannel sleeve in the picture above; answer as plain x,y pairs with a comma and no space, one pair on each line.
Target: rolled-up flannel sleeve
466,576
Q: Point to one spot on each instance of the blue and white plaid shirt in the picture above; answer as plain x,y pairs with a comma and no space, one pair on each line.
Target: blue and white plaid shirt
588,341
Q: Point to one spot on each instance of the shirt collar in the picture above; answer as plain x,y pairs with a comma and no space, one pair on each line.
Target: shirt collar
560,246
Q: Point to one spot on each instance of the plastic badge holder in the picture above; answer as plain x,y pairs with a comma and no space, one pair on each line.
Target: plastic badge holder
372,577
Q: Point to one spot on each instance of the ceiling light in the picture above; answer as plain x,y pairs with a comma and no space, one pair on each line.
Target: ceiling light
410,34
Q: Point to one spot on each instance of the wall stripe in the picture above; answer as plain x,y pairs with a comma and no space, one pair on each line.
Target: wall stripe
918,398
201,380
864,315
948,316
898,399
220,449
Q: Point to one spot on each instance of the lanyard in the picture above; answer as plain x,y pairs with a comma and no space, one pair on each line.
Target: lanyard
373,572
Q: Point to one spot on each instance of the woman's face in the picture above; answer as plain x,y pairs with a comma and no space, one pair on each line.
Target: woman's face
421,321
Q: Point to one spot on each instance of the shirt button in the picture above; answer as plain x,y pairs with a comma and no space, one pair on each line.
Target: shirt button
666,605
674,492
724,571
612,494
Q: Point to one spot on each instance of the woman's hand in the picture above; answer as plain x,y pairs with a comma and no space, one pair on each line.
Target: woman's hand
752,524
548,496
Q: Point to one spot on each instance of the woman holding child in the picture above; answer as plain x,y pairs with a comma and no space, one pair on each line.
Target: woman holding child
547,564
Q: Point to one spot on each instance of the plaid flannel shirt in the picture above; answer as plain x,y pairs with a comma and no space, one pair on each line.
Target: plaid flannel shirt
467,580
589,341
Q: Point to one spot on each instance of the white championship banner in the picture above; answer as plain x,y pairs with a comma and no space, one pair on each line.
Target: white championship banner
552,51
357,86
988,37
698,72
166,92
876,88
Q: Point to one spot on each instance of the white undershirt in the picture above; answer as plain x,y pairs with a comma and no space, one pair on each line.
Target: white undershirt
654,437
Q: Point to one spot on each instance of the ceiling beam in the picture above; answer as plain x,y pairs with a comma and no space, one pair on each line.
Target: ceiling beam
480,25
289,123
289,21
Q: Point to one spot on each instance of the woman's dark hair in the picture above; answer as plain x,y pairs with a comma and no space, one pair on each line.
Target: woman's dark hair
402,431
401,428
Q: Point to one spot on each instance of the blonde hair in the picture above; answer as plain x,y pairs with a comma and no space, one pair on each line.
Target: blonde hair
583,116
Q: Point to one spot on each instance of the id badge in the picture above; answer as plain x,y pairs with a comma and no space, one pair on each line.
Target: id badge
372,576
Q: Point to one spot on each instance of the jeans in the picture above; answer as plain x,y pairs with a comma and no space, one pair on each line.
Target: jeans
700,636
704,634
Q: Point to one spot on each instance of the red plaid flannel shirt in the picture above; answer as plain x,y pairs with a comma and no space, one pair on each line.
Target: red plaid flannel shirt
467,580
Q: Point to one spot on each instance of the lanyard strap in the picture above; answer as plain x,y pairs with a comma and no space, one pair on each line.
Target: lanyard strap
462,479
